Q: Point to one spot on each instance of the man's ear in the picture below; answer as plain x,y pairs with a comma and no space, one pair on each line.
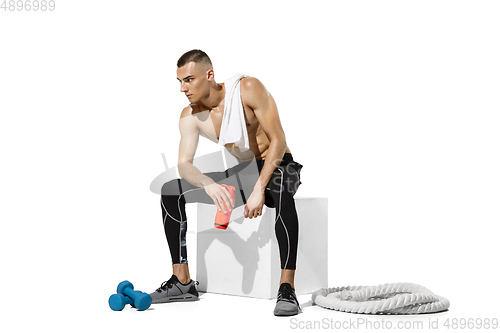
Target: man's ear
210,74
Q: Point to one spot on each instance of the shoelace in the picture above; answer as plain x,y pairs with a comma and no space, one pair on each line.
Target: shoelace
166,284
287,294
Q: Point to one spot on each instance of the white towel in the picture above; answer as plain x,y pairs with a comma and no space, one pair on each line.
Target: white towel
234,128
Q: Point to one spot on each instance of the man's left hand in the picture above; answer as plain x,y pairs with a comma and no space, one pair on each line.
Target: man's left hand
254,205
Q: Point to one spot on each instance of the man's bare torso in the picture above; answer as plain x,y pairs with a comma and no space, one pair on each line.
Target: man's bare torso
209,123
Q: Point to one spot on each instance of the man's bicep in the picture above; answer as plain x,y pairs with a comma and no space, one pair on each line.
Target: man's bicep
189,140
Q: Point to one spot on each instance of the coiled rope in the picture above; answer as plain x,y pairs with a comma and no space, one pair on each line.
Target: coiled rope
390,298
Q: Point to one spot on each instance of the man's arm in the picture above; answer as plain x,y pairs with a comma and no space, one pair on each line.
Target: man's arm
260,100
190,135
256,96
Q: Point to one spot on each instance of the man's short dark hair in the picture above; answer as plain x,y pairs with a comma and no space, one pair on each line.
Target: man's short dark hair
197,56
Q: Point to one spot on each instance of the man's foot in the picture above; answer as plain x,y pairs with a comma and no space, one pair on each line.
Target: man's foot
174,291
286,303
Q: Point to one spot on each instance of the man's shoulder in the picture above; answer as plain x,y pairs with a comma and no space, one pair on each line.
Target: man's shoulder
190,110
186,121
253,91
187,111
186,117
250,83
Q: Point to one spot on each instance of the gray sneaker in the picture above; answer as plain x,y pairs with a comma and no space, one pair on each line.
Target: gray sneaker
174,291
286,303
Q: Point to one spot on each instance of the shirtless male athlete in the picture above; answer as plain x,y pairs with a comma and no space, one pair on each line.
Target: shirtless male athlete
267,148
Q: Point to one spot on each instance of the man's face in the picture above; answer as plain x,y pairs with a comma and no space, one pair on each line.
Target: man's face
193,81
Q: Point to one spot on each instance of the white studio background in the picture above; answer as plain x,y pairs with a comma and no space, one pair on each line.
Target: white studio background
391,106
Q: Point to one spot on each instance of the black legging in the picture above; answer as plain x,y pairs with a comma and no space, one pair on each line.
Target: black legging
279,193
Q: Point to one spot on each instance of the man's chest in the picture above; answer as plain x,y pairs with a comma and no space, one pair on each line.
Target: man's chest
211,126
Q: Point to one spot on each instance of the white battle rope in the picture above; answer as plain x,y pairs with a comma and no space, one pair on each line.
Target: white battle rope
390,298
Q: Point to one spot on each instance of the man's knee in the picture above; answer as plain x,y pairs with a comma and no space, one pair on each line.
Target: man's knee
171,188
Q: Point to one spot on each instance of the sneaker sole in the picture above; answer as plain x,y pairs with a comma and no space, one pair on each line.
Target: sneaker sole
286,313
179,298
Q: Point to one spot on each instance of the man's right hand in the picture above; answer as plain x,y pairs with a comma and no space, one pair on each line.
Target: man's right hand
220,195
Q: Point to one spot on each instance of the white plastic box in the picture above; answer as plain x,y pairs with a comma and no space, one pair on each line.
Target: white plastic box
244,259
